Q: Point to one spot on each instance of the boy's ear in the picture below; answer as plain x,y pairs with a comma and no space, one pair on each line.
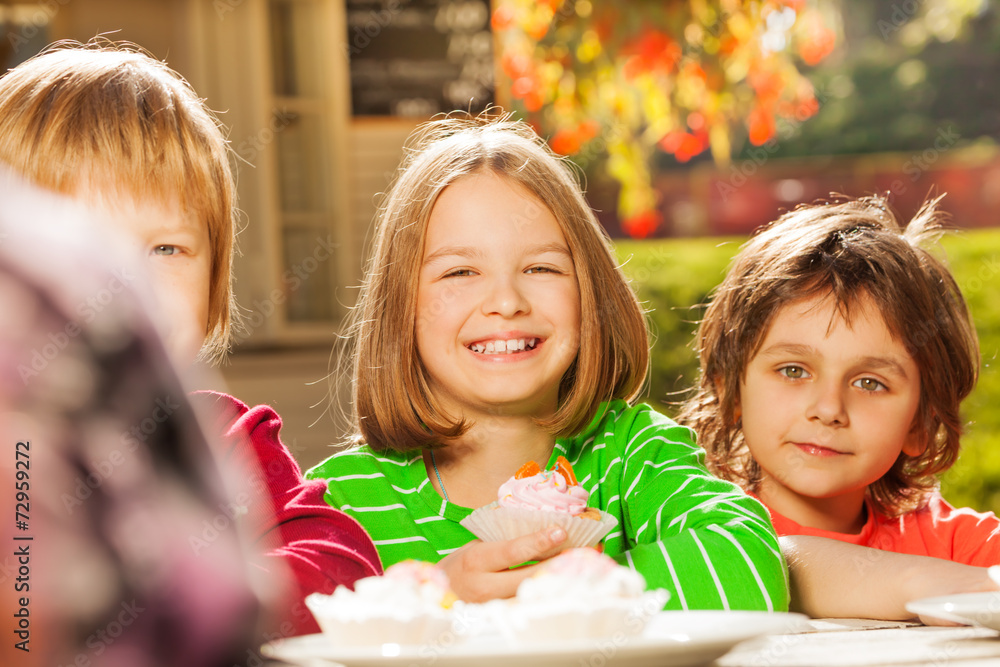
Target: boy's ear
914,446
737,408
915,443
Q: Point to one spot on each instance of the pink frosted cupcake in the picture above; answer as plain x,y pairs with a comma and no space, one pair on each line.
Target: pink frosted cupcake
533,499
581,594
410,604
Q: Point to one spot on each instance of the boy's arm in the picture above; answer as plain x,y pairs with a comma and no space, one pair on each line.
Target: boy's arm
698,536
284,516
835,579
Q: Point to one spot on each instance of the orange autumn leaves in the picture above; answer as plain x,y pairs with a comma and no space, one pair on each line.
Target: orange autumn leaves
612,84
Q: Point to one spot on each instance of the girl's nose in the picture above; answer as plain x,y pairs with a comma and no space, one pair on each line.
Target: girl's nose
827,405
506,298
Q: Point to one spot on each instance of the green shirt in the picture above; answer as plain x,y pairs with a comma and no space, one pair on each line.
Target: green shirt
701,538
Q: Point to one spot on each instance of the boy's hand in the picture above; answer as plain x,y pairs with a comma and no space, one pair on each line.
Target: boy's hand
480,571
949,578
833,579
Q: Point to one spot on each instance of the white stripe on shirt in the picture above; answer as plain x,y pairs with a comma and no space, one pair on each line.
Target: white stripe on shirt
383,508
611,465
750,564
673,575
711,569
374,475
714,499
401,540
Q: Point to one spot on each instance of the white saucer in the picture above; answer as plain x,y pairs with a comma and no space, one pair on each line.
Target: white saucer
981,609
671,638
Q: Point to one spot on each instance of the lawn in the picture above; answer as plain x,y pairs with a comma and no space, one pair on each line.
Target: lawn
675,277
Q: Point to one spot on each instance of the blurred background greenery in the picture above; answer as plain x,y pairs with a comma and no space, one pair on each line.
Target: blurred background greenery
674,279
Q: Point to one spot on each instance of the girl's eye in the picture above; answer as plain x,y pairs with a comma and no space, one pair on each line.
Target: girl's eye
870,384
793,372
459,273
166,250
541,269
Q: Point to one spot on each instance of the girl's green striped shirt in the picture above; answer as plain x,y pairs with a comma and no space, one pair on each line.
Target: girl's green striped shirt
701,538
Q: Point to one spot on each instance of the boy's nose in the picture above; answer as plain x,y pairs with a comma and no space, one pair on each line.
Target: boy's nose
827,405
506,299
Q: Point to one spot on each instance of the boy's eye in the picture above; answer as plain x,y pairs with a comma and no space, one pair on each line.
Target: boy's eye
869,384
793,372
166,250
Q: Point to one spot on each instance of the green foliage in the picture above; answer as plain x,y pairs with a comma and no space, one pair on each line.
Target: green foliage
674,279
893,83
975,480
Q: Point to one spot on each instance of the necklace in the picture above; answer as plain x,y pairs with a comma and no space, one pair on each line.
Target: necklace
436,472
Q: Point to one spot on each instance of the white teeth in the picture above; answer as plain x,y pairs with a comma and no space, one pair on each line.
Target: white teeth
504,346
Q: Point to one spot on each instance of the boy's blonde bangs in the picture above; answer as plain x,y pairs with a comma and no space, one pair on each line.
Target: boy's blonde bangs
115,121
394,406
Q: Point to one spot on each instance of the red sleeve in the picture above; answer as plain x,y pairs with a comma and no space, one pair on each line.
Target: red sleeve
284,515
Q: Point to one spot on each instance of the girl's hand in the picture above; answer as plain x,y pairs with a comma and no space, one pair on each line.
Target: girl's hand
480,571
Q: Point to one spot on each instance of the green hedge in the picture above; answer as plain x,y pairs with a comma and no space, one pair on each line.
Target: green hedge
675,277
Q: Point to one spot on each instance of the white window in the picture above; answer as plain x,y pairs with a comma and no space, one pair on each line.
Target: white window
281,79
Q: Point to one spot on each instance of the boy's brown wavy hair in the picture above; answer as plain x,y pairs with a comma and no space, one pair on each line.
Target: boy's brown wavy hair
849,250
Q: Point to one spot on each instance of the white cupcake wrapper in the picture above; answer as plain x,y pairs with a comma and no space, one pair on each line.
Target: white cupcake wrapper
492,523
582,619
346,625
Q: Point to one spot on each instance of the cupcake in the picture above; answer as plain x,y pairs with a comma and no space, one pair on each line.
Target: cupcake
410,604
533,499
581,594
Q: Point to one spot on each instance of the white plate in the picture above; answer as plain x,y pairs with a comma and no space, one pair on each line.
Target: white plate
967,608
675,638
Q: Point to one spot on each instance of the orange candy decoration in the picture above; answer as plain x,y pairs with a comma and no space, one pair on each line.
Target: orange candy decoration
529,469
562,466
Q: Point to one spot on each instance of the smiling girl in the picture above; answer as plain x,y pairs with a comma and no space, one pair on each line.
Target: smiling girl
494,328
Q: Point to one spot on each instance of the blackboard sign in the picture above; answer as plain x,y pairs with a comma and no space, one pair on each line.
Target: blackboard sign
419,57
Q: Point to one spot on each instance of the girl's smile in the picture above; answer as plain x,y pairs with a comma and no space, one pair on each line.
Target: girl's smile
498,305
506,345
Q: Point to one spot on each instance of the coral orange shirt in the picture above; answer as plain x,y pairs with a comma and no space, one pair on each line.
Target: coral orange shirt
937,529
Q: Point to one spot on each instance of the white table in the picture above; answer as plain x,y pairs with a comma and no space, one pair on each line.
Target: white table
862,643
